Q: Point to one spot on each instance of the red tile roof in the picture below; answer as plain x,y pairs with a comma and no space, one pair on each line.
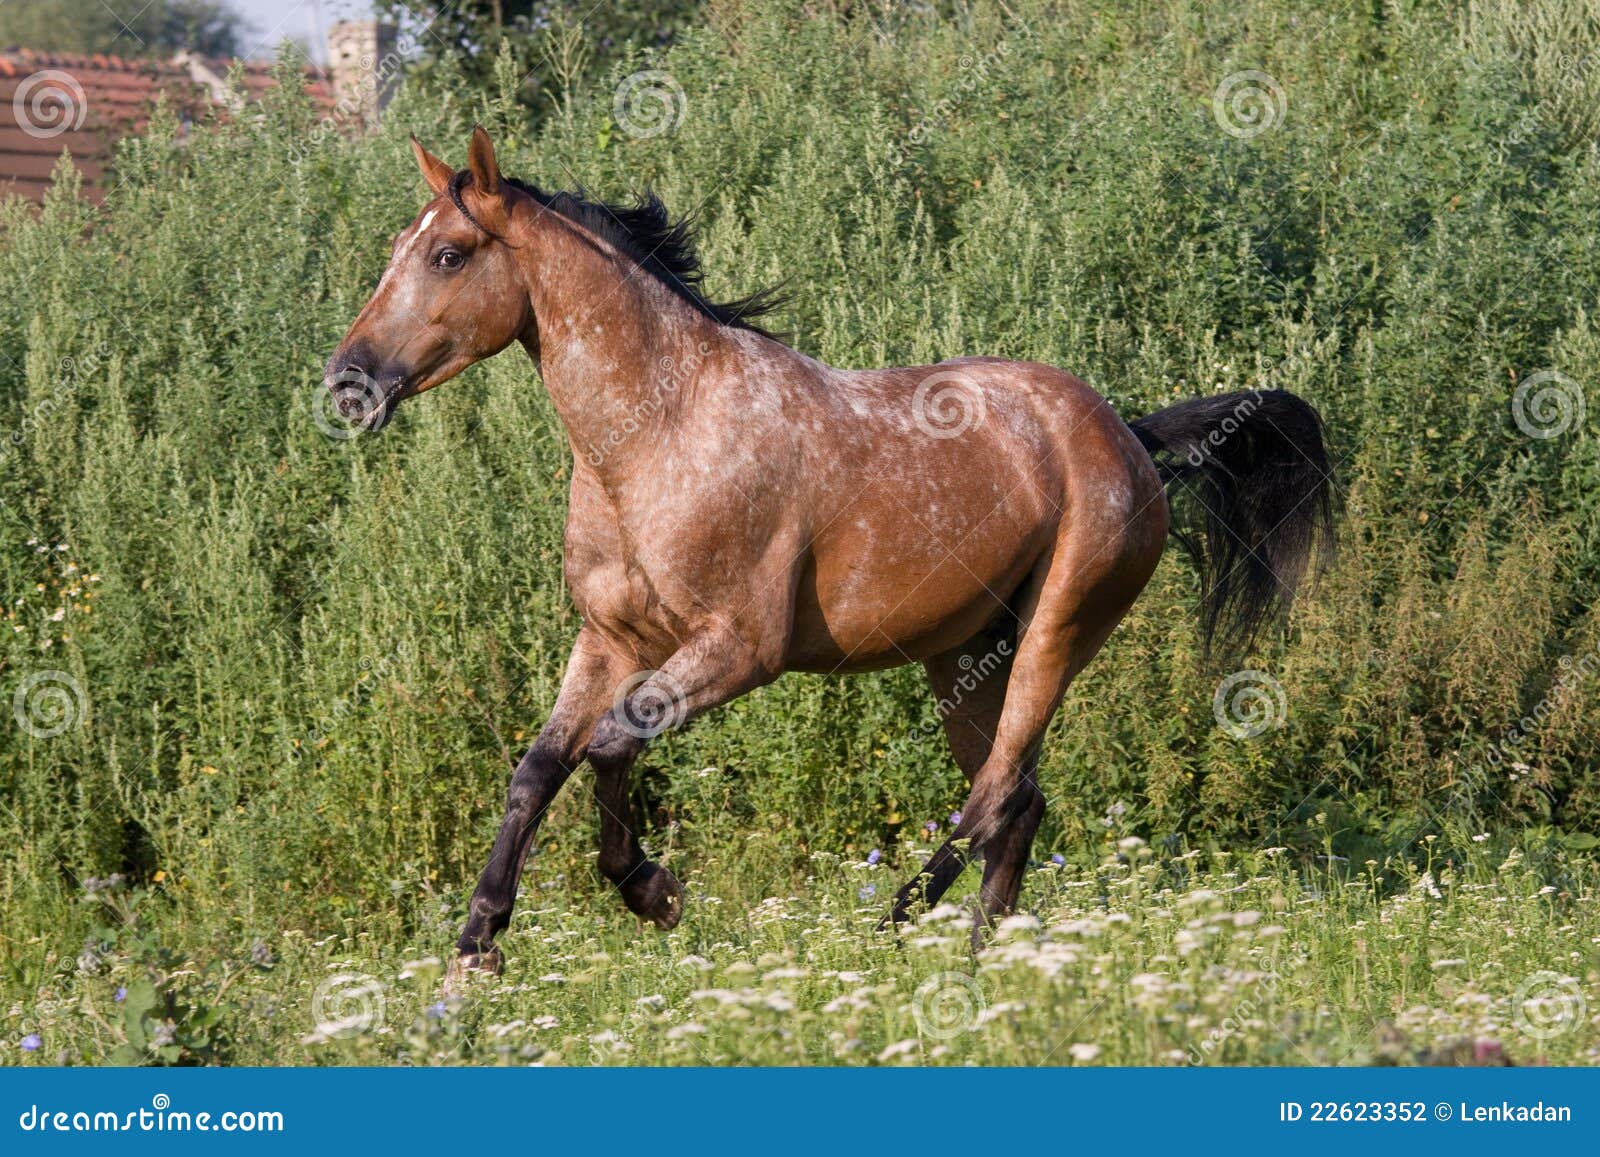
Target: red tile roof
52,101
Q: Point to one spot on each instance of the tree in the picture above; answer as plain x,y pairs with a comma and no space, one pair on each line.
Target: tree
162,27
468,31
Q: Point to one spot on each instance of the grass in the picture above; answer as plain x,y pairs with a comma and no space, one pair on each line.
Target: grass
1140,961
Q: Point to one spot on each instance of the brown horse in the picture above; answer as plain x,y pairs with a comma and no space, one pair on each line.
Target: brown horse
739,510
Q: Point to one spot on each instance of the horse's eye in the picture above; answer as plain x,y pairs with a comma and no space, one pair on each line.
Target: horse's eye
448,259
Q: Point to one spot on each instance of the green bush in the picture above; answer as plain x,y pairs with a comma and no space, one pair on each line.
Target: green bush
295,668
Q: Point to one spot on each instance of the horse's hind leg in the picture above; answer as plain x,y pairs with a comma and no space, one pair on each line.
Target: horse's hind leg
969,688
1085,589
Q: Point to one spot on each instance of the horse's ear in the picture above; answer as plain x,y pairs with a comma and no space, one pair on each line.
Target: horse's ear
480,159
434,171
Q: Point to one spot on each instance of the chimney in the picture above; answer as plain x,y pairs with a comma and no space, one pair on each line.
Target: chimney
363,65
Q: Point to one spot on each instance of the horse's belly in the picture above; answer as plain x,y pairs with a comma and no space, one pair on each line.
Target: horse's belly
857,616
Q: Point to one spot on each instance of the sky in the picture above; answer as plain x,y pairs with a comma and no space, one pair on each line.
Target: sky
306,21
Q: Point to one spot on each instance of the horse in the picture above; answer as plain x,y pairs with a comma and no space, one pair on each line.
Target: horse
739,510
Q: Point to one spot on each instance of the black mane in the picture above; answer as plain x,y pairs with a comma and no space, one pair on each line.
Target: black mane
645,233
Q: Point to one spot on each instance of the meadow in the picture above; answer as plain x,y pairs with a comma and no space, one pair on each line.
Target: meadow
266,680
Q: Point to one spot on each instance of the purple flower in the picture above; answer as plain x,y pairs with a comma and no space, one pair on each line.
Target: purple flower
436,1010
121,994
930,827
955,819
868,891
32,1042
874,856
1058,860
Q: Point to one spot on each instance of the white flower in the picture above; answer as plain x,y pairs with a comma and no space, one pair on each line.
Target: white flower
1083,1053
899,1048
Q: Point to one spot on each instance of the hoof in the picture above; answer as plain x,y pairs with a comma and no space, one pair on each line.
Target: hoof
468,967
654,894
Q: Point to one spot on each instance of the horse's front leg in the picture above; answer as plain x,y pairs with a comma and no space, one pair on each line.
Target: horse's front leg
587,693
706,672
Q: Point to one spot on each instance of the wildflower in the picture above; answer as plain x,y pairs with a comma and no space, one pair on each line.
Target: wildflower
32,1042
868,891
1059,860
1478,839
874,856
1083,1052
436,1010
260,954
930,827
164,1034
955,819
121,994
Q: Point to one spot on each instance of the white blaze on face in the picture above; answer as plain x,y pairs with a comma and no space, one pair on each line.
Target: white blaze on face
406,246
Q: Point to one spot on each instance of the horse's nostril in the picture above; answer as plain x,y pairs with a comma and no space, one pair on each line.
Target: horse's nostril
351,406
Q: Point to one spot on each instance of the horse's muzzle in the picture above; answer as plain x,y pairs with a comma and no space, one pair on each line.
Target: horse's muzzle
361,399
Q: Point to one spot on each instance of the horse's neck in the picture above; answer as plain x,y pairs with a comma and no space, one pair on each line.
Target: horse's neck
617,350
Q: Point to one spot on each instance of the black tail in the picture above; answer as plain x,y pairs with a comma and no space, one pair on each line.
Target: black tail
1255,473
